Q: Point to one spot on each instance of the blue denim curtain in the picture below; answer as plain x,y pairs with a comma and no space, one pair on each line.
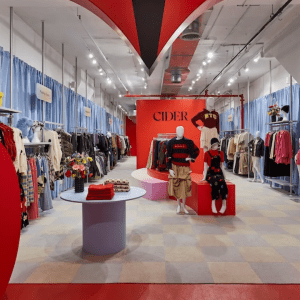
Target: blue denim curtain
259,118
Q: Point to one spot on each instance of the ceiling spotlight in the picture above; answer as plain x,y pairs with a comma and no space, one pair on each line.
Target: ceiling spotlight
94,61
229,84
101,73
219,92
198,79
91,55
247,70
108,80
210,55
120,96
142,69
209,61
200,71
100,70
219,77
204,63
143,79
231,80
257,57
193,82
119,105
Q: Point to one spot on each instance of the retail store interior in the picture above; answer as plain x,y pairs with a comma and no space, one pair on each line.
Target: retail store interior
194,153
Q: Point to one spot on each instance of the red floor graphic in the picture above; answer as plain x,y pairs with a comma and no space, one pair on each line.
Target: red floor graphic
152,291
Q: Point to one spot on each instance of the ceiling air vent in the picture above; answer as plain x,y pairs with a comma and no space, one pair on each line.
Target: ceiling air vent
191,33
175,76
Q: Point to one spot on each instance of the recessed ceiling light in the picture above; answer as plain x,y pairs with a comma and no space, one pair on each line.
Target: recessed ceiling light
91,55
143,79
210,55
193,82
247,70
204,63
200,71
142,69
209,61
120,96
101,73
94,61
229,84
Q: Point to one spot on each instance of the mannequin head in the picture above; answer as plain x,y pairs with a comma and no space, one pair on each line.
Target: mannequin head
37,127
24,124
179,132
285,110
214,143
108,134
257,134
210,103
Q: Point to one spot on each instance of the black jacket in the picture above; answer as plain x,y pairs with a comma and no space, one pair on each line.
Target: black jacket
260,148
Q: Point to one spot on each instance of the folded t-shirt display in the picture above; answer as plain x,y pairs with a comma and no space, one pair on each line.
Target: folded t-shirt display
120,185
100,192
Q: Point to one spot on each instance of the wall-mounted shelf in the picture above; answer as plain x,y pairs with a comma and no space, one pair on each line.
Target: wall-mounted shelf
8,112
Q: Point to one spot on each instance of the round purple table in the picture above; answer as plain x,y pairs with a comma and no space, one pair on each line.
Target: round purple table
103,221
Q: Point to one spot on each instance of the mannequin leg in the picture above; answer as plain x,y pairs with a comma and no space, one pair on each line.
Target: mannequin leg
224,206
224,194
183,206
256,168
255,175
213,207
178,206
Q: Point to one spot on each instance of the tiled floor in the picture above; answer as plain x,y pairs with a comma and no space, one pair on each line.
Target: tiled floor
261,244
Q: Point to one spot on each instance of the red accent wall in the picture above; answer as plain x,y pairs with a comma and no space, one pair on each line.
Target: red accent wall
131,133
148,128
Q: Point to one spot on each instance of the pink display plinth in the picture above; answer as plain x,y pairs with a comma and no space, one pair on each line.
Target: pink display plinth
155,189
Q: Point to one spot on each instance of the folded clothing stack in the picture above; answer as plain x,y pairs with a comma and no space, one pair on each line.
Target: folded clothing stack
100,192
120,185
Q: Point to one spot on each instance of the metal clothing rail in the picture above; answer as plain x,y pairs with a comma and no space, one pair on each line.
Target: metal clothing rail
54,123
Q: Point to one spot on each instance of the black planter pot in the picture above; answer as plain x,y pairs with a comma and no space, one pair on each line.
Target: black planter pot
79,185
273,119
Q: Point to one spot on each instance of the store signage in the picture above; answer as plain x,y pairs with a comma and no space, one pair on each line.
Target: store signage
43,93
230,118
170,116
87,111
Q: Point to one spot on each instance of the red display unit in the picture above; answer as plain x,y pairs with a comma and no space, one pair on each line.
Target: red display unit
131,133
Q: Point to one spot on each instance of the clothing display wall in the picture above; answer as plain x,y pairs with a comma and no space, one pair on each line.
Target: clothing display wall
259,118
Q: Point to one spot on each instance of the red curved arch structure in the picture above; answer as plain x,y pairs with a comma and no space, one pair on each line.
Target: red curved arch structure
10,221
149,27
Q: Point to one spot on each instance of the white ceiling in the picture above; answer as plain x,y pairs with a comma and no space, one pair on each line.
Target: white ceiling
231,22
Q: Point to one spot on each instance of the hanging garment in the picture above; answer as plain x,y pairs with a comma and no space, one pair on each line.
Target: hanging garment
162,156
210,119
7,138
149,162
156,151
20,162
257,147
298,158
284,149
33,210
215,176
271,168
55,152
45,197
206,135
243,164
180,186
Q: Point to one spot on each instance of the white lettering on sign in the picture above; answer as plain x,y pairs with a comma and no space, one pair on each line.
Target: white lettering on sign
230,118
87,111
43,93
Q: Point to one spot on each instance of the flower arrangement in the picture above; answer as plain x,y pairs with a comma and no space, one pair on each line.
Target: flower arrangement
77,166
274,110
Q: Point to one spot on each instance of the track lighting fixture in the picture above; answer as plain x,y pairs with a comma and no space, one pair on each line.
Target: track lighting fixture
204,63
231,80
200,71
94,61
210,55
219,77
91,55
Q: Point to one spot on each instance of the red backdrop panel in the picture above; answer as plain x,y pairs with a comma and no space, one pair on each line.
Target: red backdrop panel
151,120
131,133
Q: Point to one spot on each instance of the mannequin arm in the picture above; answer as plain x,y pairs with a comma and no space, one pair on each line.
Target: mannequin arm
223,169
205,171
172,173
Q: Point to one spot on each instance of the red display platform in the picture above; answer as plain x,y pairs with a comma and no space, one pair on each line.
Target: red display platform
200,201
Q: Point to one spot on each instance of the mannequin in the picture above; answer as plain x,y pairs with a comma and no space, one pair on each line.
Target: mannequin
180,182
285,110
297,159
214,174
210,128
257,152
24,125
108,134
37,128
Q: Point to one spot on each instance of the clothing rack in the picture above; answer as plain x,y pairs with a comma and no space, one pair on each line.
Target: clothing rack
241,130
7,112
166,135
281,125
80,129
